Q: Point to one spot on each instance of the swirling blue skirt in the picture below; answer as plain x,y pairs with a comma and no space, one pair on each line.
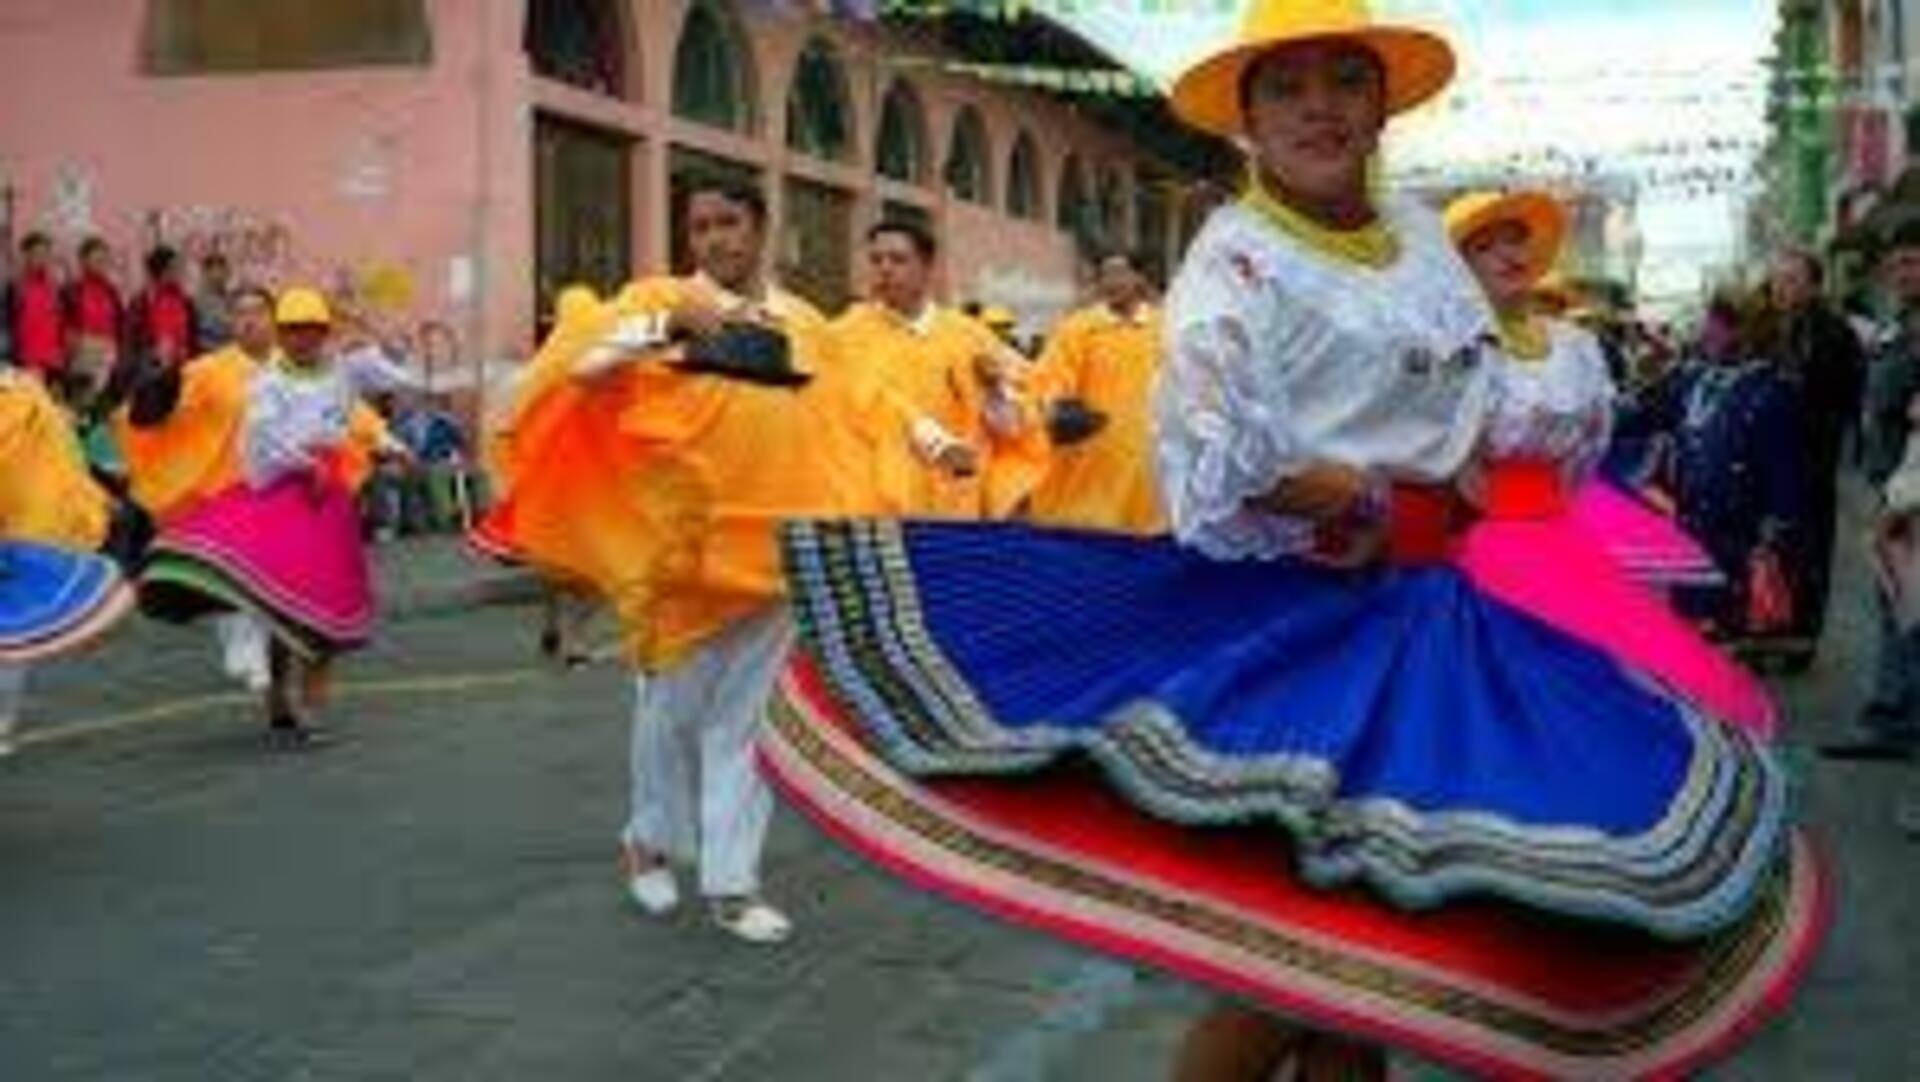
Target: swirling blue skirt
53,600
1407,732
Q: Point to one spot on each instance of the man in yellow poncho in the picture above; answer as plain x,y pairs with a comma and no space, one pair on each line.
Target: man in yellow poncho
697,413
193,454
1095,381
973,447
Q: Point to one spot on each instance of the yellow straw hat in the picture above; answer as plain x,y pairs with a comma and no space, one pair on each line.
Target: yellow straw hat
997,317
1542,215
1418,64
300,306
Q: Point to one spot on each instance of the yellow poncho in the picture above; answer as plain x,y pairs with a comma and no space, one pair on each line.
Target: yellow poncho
663,489
927,370
195,453
46,493
1109,481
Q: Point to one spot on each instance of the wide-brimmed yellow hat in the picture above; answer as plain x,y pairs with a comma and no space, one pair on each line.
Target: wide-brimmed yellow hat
1418,63
302,307
1542,215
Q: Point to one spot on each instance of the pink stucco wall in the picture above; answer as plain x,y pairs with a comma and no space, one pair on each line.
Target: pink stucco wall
422,178
365,175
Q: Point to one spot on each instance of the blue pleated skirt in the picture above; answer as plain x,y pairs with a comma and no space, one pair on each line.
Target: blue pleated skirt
53,600
1408,733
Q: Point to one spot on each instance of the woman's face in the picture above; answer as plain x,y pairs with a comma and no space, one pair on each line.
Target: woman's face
1500,258
1314,115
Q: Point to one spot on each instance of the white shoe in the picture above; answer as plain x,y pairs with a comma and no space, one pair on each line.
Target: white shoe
256,679
655,891
751,919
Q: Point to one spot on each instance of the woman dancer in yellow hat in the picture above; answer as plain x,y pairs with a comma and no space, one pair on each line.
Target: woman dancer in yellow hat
281,541
1294,752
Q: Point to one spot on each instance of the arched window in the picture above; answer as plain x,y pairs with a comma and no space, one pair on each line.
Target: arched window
579,42
817,104
1070,201
1023,178
712,70
968,173
900,152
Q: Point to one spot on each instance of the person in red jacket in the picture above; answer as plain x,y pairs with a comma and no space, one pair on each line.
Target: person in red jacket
94,316
39,342
162,326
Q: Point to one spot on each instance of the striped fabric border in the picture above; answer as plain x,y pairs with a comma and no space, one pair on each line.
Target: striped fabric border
82,626
184,571
1696,871
1732,984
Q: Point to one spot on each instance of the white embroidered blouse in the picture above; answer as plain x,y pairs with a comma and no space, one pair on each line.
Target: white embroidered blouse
1558,409
293,416
1279,357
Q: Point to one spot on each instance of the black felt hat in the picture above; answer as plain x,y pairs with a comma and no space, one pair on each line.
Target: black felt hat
746,351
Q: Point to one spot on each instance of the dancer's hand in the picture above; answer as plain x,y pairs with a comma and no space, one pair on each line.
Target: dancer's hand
958,460
696,316
1322,492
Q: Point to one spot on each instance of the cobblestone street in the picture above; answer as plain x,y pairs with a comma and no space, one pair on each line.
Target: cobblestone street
435,899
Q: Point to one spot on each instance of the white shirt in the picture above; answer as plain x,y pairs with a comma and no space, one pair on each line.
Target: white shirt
292,417
1279,357
1557,409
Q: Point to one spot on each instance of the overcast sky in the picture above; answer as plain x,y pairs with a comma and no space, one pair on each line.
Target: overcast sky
1628,80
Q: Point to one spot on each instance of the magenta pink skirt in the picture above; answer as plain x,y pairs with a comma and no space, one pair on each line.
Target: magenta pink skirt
289,553
1647,544
1559,571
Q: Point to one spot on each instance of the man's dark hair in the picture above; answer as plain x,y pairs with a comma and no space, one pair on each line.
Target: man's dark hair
214,258
161,259
35,239
916,234
732,189
91,245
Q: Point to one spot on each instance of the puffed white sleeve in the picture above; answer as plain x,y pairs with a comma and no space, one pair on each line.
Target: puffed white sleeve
1221,416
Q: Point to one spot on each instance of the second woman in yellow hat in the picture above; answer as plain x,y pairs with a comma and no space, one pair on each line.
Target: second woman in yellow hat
1557,540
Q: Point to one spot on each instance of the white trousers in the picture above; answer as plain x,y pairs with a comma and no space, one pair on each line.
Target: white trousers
243,645
698,796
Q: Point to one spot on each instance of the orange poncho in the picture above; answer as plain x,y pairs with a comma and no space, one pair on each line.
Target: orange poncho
46,492
928,371
195,453
665,489
1108,482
